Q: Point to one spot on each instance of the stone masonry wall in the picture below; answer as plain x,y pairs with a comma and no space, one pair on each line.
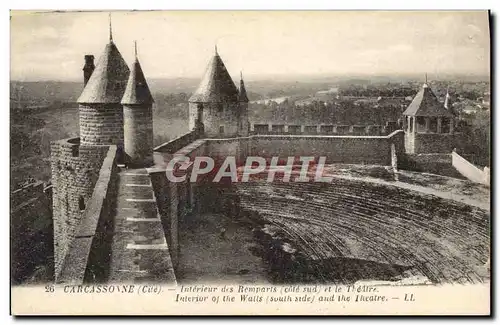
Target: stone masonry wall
343,149
88,254
176,144
336,149
101,124
167,200
75,170
409,143
469,170
219,149
138,134
434,142
214,117
175,200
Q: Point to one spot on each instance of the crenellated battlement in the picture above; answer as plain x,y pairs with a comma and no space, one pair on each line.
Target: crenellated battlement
322,129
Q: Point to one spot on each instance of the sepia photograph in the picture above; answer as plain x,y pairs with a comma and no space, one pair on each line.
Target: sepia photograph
268,158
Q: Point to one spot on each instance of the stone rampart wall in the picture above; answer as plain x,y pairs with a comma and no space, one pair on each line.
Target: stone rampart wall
75,171
470,171
88,252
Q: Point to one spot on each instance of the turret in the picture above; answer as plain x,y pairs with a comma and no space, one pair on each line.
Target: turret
101,113
215,104
138,118
243,99
243,92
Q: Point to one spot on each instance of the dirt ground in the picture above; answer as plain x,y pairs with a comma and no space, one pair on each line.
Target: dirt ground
210,254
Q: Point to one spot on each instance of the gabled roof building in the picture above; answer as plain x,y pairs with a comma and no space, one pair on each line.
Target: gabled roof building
428,124
426,103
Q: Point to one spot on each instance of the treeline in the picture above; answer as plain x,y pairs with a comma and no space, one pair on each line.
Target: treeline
171,105
391,90
170,116
478,134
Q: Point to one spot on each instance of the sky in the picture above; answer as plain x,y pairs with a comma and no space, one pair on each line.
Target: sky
172,44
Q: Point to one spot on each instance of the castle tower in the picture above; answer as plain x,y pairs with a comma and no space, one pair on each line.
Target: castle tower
76,162
429,126
215,105
243,99
138,118
101,113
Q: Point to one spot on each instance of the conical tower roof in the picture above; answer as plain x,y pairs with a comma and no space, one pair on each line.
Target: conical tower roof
107,83
243,92
425,103
137,91
216,85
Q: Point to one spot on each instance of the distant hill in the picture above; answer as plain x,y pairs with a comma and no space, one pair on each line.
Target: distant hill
174,86
47,92
69,91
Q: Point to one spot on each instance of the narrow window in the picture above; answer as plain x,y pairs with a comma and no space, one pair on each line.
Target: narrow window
200,113
221,129
445,125
420,125
74,151
220,108
433,125
81,203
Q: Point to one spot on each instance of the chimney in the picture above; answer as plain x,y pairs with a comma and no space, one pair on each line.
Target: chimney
88,68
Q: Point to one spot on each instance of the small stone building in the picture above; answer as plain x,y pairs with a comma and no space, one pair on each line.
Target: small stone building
428,125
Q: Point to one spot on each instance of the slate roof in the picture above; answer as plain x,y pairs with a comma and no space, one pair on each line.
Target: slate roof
425,103
108,81
137,91
216,85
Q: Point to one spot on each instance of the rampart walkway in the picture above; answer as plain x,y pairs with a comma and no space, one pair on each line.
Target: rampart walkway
139,248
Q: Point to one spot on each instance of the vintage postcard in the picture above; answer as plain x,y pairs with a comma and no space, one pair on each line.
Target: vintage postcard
250,162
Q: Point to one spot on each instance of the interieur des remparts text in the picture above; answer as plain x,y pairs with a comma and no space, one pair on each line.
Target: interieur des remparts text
221,294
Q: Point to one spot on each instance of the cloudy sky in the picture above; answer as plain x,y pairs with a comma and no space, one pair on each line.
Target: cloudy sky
51,46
